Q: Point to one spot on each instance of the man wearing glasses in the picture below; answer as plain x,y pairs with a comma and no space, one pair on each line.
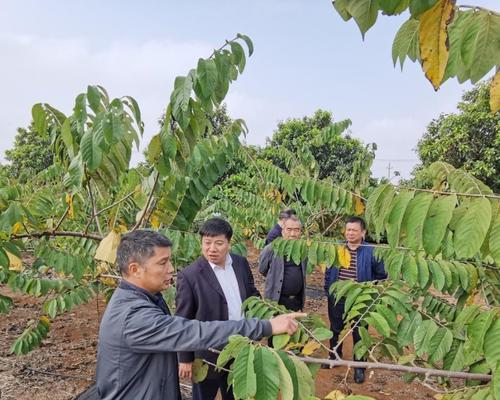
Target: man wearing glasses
285,280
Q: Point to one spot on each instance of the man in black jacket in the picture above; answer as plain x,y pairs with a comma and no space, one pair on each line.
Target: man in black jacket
212,289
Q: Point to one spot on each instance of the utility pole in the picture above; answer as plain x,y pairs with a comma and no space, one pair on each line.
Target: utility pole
389,168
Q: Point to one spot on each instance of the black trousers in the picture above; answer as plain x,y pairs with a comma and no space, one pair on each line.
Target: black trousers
335,312
291,303
207,389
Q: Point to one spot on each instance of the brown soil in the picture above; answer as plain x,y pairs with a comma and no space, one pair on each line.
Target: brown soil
68,355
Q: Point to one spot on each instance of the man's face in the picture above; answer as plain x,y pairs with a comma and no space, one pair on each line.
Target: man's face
291,229
354,233
155,274
215,249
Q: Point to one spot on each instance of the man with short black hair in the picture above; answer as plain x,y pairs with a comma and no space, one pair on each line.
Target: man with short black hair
213,288
285,280
275,232
363,267
138,338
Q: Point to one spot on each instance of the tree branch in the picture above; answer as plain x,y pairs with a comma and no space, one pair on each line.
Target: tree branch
94,208
60,233
148,202
396,367
115,203
61,219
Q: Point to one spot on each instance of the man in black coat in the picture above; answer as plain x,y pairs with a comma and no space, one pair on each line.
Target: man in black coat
212,288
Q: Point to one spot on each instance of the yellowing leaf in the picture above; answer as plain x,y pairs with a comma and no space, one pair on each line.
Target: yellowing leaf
308,242
155,222
433,39
69,202
15,263
310,347
344,256
16,228
45,320
322,267
335,395
109,282
200,370
122,228
495,93
359,206
102,268
107,248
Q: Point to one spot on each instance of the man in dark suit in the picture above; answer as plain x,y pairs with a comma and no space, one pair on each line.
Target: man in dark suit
213,288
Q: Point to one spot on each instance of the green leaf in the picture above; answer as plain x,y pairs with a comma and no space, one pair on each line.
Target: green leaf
5,304
440,344
280,341
305,380
414,219
322,333
418,7
248,42
438,218
364,12
379,323
471,229
266,370
456,30
238,56
491,344
245,380
480,46
437,274
285,379
90,150
207,76
398,209
407,328
232,349
423,272
290,366
180,99
494,239
394,265
341,7
39,118
454,360
406,43
388,315
410,270
393,7
495,383
423,335
94,98
476,332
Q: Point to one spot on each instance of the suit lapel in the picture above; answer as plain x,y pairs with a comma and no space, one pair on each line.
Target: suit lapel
240,278
209,275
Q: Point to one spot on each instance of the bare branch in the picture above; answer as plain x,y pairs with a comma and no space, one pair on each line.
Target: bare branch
60,233
148,202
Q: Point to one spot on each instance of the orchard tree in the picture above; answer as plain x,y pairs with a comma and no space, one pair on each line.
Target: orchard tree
469,138
316,144
32,153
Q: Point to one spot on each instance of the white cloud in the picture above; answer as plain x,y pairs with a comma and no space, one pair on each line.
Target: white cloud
396,140
40,69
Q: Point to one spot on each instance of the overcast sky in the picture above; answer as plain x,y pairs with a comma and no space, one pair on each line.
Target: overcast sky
306,57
